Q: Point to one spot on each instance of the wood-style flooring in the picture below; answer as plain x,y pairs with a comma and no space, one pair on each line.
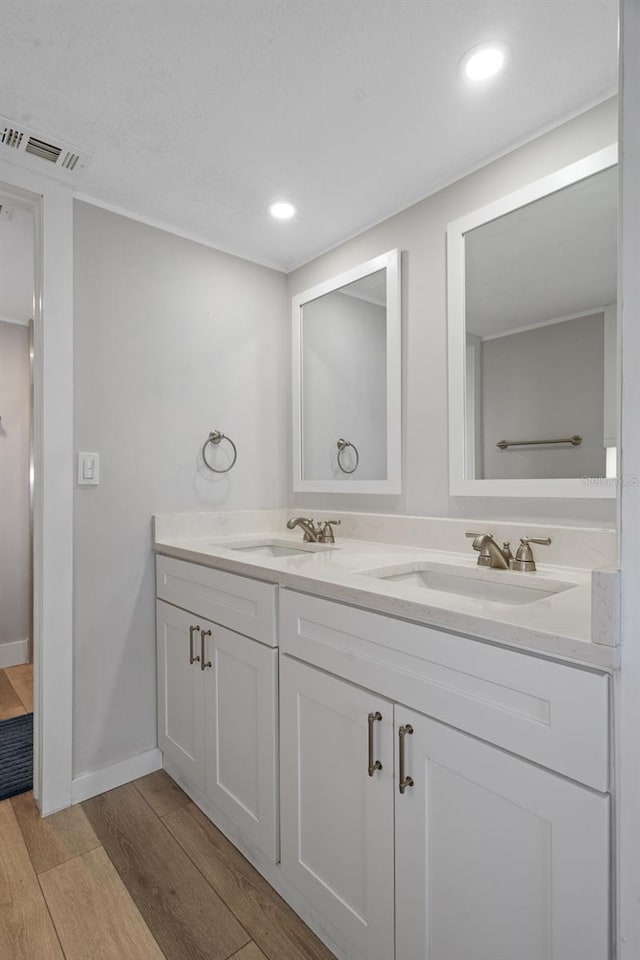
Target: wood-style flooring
138,873
16,691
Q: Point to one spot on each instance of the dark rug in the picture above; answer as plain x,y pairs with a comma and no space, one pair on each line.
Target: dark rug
16,755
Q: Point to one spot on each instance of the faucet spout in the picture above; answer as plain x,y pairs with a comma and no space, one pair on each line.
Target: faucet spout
491,555
305,523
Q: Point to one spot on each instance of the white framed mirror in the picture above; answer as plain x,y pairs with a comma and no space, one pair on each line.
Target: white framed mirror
533,380
347,376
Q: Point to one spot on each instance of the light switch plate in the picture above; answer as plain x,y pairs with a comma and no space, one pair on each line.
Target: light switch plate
88,469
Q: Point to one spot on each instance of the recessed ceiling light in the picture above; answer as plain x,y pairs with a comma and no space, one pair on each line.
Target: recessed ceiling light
282,210
484,61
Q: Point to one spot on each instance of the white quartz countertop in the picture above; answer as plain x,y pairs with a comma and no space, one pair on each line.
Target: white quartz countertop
558,625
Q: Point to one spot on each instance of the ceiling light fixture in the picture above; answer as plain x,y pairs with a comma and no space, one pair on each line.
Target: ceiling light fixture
484,61
282,210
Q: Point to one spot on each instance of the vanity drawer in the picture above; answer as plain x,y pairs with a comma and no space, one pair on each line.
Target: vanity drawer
244,605
551,713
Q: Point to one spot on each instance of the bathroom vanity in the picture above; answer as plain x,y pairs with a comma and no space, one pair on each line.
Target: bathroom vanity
420,767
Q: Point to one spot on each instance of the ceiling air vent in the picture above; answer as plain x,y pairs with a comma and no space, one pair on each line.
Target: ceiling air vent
41,149
46,154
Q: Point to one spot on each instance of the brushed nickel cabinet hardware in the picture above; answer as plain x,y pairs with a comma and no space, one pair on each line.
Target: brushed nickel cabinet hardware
192,659
204,664
373,764
405,781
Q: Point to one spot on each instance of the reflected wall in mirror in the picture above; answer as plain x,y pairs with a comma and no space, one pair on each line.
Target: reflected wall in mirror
346,335
532,338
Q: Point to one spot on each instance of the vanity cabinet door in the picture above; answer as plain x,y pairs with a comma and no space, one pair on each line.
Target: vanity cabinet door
240,733
495,858
337,821
180,691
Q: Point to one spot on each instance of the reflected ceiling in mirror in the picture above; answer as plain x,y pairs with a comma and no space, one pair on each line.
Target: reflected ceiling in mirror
532,338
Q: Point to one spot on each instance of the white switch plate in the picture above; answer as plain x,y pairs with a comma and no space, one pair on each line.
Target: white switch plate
88,469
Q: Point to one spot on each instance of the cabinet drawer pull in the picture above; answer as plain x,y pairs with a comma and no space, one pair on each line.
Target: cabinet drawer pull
373,764
404,780
204,664
192,659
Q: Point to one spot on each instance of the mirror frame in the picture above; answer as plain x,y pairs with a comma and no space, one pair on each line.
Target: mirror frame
460,485
390,262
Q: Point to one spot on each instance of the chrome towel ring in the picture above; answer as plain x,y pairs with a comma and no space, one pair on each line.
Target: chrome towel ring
216,437
342,446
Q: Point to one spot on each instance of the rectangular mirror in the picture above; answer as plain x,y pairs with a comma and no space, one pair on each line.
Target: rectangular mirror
347,381
532,338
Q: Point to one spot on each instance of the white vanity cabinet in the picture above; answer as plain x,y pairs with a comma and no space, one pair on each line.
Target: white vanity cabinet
337,821
496,858
217,697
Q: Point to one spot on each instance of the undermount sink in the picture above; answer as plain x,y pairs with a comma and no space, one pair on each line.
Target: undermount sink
277,548
469,583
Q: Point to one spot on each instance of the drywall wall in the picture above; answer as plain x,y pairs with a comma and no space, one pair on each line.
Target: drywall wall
172,340
15,522
420,233
344,372
16,262
553,380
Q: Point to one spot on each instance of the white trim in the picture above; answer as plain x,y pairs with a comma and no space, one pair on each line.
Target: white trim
19,321
391,262
14,653
460,484
51,203
628,679
115,775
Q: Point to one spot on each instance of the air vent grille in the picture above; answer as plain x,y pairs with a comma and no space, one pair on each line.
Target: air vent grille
46,151
30,148
11,137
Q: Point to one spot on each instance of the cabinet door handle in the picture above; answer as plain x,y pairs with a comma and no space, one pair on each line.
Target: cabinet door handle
404,780
203,664
373,764
192,659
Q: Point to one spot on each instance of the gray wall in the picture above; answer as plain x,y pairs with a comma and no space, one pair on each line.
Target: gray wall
542,383
172,339
15,532
420,233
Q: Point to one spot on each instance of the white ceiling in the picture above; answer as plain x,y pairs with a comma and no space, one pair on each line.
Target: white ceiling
553,258
200,114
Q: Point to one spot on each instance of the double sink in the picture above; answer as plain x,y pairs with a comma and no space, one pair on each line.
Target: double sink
479,583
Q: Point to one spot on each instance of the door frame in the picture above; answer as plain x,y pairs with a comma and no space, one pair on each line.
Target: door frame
52,205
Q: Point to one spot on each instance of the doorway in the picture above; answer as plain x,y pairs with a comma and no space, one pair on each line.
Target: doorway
17,295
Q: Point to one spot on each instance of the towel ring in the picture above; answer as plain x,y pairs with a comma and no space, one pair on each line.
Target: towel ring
216,437
342,446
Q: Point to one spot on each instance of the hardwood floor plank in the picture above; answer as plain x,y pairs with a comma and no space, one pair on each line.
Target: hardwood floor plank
10,703
58,838
21,679
271,923
94,915
26,929
250,952
162,793
185,915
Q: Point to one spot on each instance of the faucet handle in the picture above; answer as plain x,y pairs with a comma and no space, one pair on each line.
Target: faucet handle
326,532
474,535
524,559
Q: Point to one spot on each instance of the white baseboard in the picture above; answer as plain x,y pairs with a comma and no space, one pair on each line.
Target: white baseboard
115,775
13,653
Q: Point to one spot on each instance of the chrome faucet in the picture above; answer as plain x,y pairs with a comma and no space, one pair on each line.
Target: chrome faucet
320,532
491,555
